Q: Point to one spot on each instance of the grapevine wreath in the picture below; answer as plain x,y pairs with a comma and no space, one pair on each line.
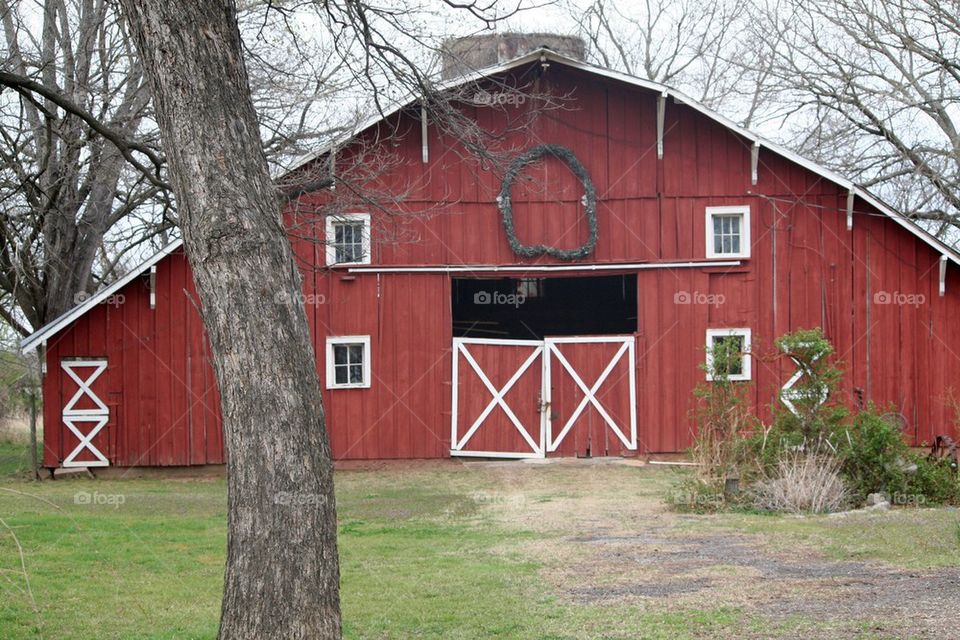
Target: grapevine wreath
590,203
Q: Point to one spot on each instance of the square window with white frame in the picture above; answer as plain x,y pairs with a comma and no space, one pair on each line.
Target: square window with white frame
738,355
348,362
728,232
348,239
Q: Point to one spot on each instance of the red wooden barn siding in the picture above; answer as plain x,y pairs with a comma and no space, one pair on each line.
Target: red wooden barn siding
159,384
649,210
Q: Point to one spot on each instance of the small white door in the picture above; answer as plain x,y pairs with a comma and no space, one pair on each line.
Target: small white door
84,414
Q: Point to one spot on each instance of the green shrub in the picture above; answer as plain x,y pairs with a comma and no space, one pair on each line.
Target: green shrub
934,482
722,415
813,457
816,411
874,456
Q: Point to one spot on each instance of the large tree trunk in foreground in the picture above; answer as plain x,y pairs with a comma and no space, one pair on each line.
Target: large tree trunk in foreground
282,569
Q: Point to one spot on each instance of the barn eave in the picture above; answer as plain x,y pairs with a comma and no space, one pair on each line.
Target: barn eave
53,327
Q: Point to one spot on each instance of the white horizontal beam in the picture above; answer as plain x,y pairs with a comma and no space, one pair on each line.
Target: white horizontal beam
487,268
494,454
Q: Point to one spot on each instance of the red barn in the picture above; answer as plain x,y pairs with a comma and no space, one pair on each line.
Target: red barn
565,313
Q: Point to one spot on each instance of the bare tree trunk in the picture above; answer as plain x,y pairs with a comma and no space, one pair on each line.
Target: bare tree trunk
282,570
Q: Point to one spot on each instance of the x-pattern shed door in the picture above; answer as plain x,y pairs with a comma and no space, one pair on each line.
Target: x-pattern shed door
84,413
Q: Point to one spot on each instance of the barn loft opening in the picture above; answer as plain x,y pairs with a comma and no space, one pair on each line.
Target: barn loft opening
531,308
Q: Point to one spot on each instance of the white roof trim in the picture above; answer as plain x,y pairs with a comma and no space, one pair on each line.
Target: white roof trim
942,248
664,90
40,336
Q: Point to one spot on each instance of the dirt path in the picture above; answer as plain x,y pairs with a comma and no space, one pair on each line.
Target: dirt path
609,540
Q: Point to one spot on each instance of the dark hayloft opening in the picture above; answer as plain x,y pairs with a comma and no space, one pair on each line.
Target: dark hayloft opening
531,308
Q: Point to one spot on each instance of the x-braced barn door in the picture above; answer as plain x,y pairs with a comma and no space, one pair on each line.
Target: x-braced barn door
592,396
497,398
530,398
84,414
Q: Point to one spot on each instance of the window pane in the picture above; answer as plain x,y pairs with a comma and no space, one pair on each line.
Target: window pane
356,373
736,360
349,363
736,366
735,355
727,233
356,353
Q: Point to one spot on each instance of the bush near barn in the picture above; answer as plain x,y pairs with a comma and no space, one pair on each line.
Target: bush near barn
814,456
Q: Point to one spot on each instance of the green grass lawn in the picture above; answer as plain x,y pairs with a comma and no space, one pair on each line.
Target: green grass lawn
422,556
14,459
911,538
144,560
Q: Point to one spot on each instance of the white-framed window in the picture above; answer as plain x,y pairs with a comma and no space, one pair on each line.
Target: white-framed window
348,239
728,232
740,368
348,362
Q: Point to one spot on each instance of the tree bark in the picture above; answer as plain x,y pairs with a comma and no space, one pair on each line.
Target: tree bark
282,569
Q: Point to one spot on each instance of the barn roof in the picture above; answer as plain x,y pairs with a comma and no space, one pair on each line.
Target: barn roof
60,323
63,321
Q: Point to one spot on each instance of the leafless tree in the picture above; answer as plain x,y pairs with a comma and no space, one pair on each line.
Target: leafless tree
64,184
873,88
692,45
282,567
83,190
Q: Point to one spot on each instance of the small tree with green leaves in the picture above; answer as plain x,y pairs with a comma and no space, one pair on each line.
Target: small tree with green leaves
722,417
808,410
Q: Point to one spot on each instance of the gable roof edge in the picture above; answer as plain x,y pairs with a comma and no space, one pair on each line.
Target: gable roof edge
53,327
939,246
